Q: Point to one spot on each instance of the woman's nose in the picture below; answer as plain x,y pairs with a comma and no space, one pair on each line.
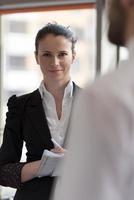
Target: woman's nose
55,61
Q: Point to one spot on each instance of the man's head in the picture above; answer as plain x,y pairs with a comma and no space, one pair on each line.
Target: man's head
121,21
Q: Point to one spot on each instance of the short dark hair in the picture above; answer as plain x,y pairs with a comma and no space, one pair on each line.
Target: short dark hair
55,29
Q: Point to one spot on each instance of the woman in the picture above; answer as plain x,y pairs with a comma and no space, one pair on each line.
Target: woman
39,116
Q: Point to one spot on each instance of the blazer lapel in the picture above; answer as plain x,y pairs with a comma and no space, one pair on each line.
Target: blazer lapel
76,90
38,119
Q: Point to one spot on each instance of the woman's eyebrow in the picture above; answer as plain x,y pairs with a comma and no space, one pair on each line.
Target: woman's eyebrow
45,51
63,51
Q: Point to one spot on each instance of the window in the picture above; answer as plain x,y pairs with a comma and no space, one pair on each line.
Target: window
108,50
123,53
17,26
16,62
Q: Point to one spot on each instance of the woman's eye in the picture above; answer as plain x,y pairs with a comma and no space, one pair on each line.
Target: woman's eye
62,54
46,55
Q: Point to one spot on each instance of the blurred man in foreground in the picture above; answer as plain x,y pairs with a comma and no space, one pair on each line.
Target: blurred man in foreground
100,161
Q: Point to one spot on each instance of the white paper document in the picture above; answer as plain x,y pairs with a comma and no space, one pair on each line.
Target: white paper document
50,164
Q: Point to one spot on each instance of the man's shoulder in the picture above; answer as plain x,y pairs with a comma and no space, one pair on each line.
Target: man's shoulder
106,83
111,91
114,79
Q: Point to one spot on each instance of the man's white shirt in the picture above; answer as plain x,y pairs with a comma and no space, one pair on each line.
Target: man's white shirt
100,161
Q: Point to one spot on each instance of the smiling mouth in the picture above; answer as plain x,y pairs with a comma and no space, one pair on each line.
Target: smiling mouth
58,70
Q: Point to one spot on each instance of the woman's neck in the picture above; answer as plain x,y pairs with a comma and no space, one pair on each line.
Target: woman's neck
56,89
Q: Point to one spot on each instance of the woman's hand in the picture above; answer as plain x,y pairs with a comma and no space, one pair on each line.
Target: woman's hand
29,170
58,150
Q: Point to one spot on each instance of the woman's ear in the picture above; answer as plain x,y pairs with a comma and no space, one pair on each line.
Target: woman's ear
36,56
73,56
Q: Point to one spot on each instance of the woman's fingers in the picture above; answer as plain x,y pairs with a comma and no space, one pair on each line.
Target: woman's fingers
58,150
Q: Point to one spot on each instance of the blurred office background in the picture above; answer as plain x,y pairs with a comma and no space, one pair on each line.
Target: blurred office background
19,23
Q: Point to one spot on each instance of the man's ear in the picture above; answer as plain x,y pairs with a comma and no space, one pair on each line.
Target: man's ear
36,56
127,3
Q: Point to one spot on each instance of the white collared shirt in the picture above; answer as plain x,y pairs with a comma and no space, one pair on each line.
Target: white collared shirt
57,127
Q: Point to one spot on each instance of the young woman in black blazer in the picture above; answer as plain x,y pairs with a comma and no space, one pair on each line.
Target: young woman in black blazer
30,117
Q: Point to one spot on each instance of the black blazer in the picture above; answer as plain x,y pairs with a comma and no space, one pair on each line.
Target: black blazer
26,121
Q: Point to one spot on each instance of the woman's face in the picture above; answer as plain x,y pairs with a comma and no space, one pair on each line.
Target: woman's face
55,58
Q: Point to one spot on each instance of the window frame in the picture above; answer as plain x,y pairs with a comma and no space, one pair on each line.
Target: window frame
46,6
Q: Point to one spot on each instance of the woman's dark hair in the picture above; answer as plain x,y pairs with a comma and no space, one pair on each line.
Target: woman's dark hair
55,29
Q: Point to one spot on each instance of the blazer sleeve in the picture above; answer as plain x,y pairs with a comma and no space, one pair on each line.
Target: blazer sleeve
11,149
